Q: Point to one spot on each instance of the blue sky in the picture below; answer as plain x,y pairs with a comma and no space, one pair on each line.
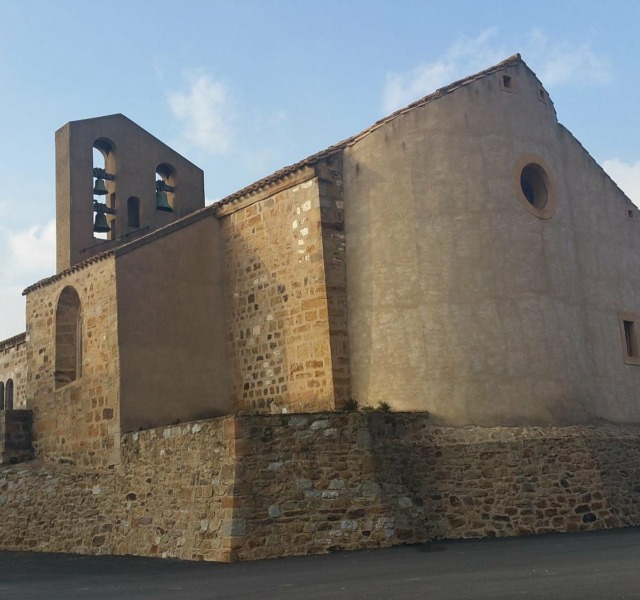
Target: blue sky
243,88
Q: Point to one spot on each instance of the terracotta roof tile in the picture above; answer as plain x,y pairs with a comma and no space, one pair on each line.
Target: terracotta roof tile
73,269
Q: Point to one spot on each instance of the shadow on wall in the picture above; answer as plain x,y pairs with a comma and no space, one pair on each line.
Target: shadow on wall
276,303
488,482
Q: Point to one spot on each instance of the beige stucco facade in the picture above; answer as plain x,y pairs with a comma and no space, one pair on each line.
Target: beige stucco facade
464,303
171,327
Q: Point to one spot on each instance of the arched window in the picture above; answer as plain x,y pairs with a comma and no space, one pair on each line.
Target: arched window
8,395
1,395
68,337
133,212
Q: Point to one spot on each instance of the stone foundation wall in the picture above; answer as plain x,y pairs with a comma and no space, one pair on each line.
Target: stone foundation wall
13,366
242,488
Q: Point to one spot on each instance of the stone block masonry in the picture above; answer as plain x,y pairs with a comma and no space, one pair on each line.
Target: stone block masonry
253,487
78,422
278,306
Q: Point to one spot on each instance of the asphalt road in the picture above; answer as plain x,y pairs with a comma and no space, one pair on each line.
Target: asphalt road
584,566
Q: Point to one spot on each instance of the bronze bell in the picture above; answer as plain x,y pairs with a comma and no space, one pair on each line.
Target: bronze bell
162,202
99,189
100,225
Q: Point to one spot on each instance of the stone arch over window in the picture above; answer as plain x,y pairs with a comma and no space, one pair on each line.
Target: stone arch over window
1,395
133,212
165,183
8,395
104,169
68,337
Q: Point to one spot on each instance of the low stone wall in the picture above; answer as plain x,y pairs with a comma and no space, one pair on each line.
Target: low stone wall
241,488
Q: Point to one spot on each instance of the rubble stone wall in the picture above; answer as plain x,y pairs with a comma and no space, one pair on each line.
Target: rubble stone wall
168,498
252,487
277,307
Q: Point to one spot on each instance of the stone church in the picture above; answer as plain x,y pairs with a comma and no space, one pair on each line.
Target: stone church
464,261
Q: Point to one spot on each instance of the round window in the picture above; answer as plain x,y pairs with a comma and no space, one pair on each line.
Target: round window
536,190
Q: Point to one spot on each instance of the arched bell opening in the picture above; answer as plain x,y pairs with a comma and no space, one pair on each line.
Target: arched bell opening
68,343
104,194
165,183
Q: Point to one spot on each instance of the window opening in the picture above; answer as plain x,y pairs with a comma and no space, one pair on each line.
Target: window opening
68,338
1,395
533,187
542,96
8,395
133,212
630,339
629,335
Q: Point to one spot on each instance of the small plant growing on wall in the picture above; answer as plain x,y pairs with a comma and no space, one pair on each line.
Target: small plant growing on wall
351,404
384,407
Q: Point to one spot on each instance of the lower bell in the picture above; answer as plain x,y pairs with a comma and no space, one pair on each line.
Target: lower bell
100,225
162,202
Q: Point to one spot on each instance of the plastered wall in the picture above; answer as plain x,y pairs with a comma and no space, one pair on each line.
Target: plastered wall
464,303
171,328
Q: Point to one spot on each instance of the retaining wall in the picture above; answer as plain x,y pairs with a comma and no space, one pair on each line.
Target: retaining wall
250,487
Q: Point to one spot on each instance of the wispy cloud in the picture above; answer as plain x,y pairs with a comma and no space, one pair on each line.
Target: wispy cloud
555,62
562,63
27,255
462,58
205,111
626,175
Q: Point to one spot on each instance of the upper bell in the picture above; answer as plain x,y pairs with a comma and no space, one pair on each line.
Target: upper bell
99,189
162,201
100,225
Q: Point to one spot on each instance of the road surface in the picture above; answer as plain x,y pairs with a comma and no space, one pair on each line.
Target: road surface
584,566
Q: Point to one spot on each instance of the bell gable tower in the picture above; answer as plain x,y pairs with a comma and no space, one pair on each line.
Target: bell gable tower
139,185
